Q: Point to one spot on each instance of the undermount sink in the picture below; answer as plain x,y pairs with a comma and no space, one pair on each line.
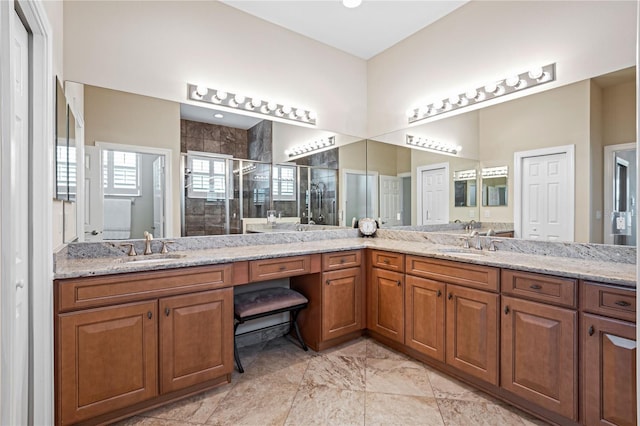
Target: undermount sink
153,258
461,251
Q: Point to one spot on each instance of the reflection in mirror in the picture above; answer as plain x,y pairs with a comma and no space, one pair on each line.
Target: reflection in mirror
494,186
72,157
465,188
61,144
589,115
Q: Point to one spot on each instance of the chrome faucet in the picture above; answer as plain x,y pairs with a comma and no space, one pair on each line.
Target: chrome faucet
148,237
476,234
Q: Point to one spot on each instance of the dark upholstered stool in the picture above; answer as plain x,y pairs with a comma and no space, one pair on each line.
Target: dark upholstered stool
262,303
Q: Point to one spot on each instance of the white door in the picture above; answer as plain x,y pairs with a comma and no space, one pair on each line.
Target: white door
15,249
158,197
391,200
93,194
433,193
544,198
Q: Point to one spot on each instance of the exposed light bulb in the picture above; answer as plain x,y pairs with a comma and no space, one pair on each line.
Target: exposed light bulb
201,90
255,102
239,99
351,3
455,99
312,115
512,80
438,104
272,106
300,112
222,95
535,73
491,87
286,109
471,94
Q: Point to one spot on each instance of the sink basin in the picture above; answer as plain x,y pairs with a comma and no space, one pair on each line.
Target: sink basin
461,251
153,258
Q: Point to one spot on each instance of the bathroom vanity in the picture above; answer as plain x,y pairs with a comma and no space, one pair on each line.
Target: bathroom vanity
553,336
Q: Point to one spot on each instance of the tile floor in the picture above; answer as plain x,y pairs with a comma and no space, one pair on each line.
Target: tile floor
359,383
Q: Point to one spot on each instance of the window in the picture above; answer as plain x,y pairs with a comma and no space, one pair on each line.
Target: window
208,177
121,173
66,170
284,183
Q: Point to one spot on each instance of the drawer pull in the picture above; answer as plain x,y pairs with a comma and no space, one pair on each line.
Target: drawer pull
399,283
450,296
591,331
167,311
506,310
535,286
149,315
386,261
342,260
282,267
622,303
439,293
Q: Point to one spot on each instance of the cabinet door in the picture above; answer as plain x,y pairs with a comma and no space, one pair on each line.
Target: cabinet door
424,325
341,302
539,356
609,348
196,338
472,332
107,359
386,304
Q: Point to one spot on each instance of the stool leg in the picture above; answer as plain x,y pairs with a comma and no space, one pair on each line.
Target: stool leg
235,349
294,315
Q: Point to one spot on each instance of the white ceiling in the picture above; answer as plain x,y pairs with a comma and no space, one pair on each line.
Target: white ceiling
364,31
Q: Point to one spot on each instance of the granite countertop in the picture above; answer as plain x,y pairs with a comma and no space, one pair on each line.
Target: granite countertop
605,271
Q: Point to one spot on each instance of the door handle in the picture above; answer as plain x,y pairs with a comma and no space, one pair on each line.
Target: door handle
167,311
399,283
328,282
149,315
506,310
439,293
450,296
591,331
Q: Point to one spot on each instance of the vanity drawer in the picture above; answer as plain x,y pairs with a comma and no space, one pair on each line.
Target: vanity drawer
610,301
341,259
269,269
387,260
477,276
89,292
544,288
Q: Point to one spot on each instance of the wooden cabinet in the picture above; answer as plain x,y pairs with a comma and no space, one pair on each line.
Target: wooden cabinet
539,354
341,302
385,294
131,354
107,359
336,300
608,339
271,269
472,332
425,316
196,338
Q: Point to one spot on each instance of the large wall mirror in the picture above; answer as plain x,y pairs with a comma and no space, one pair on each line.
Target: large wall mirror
522,137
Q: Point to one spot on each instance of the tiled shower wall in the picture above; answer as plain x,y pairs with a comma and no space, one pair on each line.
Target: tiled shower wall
204,217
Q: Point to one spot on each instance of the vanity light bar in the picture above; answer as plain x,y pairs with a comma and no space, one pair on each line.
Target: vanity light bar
233,100
432,145
310,146
465,174
245,169
493,90
495,172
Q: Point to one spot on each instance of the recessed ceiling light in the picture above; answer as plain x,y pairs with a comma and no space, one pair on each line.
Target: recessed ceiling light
218,115
351,3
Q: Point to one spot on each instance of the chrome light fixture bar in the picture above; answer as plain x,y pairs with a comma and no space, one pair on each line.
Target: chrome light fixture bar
470,174
253,104
310,147
432,145
492,172
493,90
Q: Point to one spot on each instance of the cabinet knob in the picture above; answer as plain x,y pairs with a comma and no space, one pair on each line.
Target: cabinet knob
399,283
439,293
167,311
506,310
328,282
450,296
591,331
535,286
149,315
622,303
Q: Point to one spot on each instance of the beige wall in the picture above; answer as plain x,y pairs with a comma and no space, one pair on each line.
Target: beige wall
155,48
553,118
118,117
485,40
619,114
